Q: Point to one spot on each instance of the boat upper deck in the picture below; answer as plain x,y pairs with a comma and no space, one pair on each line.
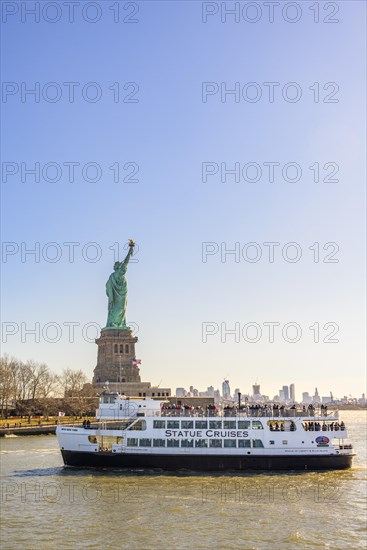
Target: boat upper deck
255,411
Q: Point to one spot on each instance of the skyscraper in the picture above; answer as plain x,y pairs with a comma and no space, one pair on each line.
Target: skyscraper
286,393
292,392
306,397
256,390
316,397
226,390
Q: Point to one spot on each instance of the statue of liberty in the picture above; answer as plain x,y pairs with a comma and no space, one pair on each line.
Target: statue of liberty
116,290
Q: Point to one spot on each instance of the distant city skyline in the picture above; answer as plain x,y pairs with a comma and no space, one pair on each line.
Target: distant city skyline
304,396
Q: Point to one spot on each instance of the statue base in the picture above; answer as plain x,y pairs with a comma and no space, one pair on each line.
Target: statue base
116,350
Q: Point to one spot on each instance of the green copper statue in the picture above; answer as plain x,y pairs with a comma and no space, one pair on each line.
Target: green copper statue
116,290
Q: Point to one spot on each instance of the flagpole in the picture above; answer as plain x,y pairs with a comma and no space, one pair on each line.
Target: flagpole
120,375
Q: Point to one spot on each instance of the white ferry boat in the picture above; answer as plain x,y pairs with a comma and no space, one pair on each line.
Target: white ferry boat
147,433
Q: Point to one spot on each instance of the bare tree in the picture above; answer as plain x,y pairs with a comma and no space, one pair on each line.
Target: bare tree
31,387
8,369
73,381
76,391
38,375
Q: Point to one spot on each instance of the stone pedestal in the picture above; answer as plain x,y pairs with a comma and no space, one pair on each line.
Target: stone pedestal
116,350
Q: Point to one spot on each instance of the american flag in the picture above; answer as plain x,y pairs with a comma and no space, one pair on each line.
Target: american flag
136,361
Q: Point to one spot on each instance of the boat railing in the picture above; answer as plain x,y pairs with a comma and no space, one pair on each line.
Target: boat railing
251,413
310,415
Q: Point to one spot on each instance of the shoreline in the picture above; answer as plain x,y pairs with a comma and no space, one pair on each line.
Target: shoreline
33,430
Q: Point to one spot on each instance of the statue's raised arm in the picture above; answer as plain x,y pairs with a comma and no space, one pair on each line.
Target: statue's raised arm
129,254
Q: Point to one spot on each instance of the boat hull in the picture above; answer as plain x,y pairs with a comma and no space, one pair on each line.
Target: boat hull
207,463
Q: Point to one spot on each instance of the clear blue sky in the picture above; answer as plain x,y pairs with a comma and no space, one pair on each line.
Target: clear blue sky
170,211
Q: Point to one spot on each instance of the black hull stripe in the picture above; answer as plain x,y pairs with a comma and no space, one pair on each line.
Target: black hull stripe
205,463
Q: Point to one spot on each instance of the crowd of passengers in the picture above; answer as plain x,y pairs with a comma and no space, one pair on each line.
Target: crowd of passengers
188,410
271,409
317,427
275,427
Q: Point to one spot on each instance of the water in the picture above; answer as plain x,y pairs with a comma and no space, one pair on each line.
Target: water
45,505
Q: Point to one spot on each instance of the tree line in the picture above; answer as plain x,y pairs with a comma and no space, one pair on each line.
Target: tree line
30,388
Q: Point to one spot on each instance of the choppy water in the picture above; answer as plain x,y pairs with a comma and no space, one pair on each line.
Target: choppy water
45,505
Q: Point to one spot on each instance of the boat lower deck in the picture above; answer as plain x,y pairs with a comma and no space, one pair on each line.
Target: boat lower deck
208,463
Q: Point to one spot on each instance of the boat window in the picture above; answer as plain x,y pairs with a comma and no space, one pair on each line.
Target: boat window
201,424
285,442
217,443
257,443
215,424
92,439
159,424
277,426
243,424
106,441
173,442
271,442
159,442
174,424
144,442
132,442
230,443
187,424
140,425
187,442
203,443
244,443
257,425
229,424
